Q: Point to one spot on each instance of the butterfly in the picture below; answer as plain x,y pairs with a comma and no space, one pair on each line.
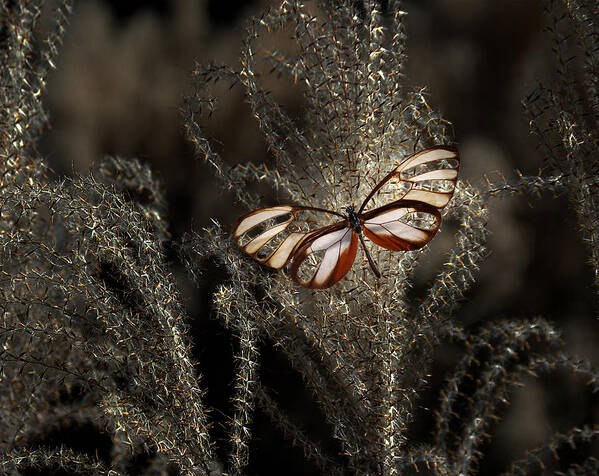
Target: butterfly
419,188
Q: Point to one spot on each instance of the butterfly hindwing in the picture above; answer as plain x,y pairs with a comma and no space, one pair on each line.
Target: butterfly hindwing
424,183
324,256
402,226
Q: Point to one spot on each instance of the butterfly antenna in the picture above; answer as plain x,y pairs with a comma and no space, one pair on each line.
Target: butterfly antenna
375,270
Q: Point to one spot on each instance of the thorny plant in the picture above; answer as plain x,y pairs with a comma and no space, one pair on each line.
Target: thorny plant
93,329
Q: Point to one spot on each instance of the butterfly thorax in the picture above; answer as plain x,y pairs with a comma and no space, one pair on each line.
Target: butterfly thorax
353,219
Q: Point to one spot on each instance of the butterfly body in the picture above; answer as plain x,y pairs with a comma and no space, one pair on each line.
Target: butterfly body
421,185
353,219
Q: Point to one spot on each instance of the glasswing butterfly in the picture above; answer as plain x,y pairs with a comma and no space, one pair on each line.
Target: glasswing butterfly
419,187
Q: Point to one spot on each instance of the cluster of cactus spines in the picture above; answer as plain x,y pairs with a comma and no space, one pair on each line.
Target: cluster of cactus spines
535,458
90,313
360,120
348,127
93,326
564,115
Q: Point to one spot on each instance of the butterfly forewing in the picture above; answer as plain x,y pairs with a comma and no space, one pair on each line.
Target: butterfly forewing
433,174
324,257
270,235
428,176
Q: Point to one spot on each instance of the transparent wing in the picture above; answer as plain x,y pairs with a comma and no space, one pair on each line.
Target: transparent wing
401,226
429,176
269,235
325,256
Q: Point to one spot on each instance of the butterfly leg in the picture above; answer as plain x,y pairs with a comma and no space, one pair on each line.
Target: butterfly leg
375,270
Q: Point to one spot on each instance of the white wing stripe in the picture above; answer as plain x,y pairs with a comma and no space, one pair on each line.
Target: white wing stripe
259,217
327,265
399,230
436,199
390,215
264,238
278,259
331,256
428,156
440,174
329,239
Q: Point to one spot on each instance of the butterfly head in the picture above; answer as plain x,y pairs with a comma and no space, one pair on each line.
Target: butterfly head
353,219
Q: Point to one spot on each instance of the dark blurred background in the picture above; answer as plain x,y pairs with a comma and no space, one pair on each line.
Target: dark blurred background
119,82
